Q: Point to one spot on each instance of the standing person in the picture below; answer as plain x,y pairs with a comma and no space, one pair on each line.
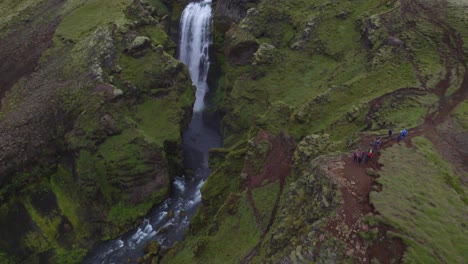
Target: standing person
404,133
355,158
369,155
390,132
362,156
400,136
377,144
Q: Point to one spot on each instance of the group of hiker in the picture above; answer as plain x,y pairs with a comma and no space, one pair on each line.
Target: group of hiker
360,156
401,136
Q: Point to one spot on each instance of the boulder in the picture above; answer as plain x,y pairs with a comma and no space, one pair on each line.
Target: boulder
266,54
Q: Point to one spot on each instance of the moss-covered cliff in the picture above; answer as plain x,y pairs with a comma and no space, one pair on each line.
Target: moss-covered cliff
328,77
93,106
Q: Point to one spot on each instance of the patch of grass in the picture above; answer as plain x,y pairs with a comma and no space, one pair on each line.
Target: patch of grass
158,119
236,236
461,114
47,224
91,14
35,242
151,71
264,200
403,111
225,179
122,213
73,256
90,168
69,203
157,33
424,200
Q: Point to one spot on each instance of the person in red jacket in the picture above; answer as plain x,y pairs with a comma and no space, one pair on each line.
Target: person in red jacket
369,155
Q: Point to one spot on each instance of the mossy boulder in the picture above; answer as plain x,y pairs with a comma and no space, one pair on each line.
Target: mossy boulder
138,44
152,248
266,54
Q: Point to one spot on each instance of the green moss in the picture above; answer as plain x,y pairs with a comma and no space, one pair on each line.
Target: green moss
35,242
157,34
90,168
64,188
122,214
5,258
424,200
153,70
73,256
47,224
223,180
461,114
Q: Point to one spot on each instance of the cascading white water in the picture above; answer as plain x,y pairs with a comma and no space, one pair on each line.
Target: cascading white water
195,28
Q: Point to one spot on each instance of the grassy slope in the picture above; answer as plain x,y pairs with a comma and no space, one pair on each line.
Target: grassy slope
420,198
332,66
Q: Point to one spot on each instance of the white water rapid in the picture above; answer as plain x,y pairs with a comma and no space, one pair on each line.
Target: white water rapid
195,29
201,135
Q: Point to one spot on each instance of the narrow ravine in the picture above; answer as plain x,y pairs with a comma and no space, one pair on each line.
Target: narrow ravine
201,135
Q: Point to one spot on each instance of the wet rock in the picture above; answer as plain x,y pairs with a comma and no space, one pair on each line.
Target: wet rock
152,248
170,214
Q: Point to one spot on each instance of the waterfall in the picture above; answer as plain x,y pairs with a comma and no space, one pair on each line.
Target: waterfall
197,140
195,32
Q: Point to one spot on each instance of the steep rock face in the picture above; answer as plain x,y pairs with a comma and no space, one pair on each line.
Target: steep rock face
91,137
